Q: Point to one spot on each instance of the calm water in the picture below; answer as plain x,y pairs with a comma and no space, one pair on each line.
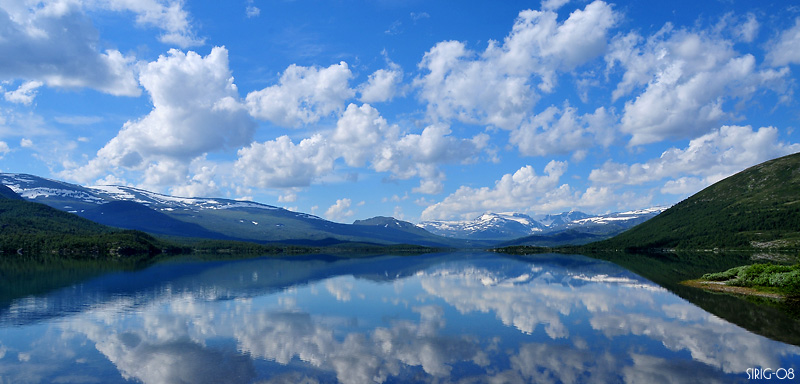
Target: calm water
441,318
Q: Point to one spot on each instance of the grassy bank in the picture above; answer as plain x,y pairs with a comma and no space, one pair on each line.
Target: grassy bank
756,279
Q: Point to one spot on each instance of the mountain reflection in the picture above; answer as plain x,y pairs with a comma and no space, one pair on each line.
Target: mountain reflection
435,318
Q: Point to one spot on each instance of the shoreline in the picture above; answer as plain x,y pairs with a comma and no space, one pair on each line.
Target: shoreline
720,286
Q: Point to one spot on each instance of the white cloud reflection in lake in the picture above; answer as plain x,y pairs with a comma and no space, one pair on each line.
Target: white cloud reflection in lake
454,319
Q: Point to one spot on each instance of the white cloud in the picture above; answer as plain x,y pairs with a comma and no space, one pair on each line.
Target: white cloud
303,95
552,5
361,138
562,131
280,163
26,143
168,15
513,192
747,30
196,110
707,159
288,197
783,50
684,185
340,210
252,10
420,154
4,149
688,78
36,47
382,85
494,87
359,131
25,93
526,192
200,182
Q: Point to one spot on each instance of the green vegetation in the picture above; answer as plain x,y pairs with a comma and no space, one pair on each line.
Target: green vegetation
31,229
784,279
758,208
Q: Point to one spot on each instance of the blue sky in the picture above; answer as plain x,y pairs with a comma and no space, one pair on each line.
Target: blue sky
421,110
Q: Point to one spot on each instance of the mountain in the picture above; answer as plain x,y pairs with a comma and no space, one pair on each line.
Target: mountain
36,229
489,226
8,193
554,239
756,208
558,229
560,219
140,217
391,222
611,223
215,218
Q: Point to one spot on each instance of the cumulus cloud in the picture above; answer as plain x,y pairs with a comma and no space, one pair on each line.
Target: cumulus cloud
420,154
201,180
496,86
513,192
707,159
361,138
526,192
783,50
563,131
359,131
196,110
280,163
340,210
36,47
688,80
382,85
303,95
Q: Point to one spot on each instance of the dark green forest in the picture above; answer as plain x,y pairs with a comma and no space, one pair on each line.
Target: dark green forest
31,229
758,208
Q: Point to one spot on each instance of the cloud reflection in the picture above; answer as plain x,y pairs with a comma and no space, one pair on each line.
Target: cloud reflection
562,323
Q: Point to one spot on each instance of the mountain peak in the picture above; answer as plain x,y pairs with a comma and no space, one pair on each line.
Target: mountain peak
514,225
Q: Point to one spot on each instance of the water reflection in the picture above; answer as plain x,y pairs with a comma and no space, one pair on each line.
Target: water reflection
435,318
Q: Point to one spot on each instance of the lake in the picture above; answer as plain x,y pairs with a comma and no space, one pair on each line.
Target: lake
455,317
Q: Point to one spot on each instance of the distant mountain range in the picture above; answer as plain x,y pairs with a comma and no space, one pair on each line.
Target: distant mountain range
212,218
226,219
565,228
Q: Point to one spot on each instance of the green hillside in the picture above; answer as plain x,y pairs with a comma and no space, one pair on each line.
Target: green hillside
28,229
756,208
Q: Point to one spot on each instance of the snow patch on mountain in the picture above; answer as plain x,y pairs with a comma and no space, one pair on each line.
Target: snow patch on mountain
510,225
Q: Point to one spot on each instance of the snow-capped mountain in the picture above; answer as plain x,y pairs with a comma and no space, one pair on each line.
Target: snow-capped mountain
489,226
557,220
629,218
50,192
132,208
507,226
